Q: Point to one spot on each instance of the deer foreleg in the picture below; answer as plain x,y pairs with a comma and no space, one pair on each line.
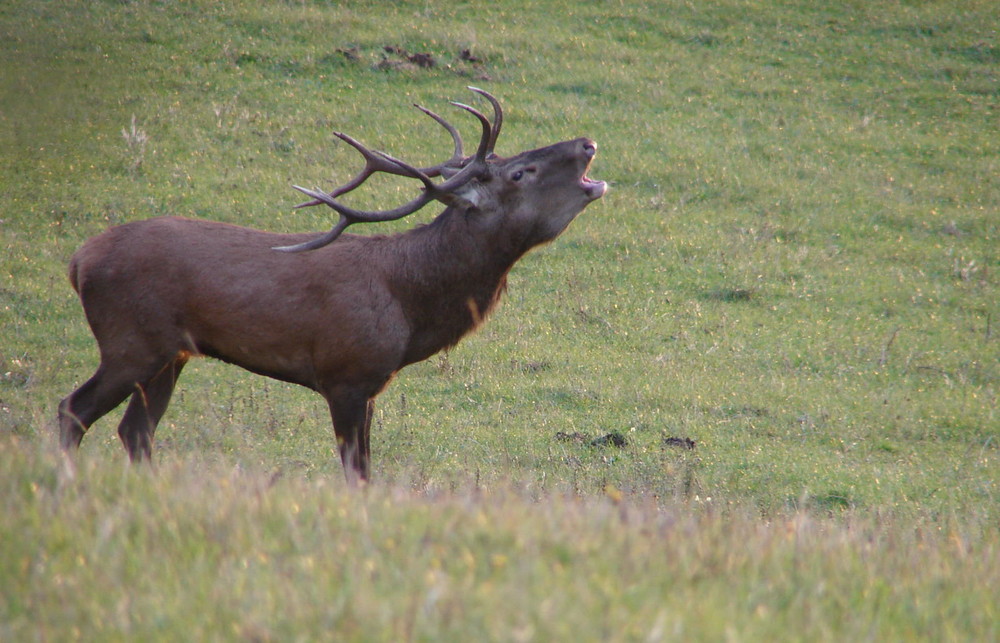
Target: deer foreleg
352,416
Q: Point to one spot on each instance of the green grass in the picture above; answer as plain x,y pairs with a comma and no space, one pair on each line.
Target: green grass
795,267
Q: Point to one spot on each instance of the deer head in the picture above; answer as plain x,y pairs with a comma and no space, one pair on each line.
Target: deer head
514,188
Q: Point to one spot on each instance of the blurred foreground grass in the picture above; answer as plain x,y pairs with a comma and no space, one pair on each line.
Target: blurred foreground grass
212,551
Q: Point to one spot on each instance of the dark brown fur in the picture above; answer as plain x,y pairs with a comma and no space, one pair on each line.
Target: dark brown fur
341,320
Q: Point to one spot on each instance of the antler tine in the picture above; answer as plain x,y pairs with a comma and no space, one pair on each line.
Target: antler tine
478,162
484,141
458,156
437,192
318,242
374,162
458,159
349,215
497,116
364,216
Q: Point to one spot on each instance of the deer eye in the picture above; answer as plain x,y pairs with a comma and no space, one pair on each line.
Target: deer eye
517,176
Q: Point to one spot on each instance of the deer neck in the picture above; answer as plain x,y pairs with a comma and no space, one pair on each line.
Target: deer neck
449,275
455,257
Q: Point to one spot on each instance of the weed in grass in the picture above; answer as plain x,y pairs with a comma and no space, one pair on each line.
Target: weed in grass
136,139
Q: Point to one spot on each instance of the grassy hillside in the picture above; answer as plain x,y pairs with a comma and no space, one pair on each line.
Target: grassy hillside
795,268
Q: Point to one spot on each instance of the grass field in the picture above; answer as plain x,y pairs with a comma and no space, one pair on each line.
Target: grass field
796,267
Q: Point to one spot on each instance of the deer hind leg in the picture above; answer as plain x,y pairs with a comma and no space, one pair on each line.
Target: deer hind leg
352,417
149,402
98,396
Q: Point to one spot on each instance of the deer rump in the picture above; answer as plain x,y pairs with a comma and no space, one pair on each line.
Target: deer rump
339,314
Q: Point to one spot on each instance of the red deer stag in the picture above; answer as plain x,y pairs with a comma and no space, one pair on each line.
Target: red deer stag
339,318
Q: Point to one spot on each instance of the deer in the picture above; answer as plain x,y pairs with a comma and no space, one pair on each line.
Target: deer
337,313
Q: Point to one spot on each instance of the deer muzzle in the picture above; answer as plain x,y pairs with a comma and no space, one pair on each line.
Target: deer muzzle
593,189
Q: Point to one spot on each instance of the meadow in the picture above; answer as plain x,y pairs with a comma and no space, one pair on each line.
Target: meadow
787,307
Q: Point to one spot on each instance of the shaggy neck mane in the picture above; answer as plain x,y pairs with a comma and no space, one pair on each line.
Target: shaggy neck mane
450,275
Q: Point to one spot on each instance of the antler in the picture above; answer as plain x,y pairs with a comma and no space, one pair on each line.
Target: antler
457,170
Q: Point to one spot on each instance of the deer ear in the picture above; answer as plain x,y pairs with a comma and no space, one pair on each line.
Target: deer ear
467,197
471,195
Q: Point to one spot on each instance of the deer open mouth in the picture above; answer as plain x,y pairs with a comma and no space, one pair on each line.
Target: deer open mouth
593,189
